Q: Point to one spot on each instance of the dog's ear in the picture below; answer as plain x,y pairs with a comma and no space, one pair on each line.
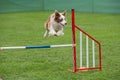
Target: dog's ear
57,13
64,13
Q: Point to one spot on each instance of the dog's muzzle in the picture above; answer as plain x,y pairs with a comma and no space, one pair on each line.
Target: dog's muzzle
63,24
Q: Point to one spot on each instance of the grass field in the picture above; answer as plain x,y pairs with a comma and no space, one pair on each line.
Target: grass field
27,28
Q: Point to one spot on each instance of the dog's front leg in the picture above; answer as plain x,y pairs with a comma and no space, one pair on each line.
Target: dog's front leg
60,33
52,32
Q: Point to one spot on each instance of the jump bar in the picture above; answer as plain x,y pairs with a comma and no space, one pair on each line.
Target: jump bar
34,47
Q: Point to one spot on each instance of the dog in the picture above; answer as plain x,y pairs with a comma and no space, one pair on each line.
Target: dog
55,24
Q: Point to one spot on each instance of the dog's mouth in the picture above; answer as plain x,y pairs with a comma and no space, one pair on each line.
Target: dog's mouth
62,24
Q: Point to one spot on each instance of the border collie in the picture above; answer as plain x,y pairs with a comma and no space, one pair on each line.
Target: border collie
55,24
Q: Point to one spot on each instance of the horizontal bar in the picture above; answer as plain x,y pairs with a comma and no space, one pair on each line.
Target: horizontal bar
34,47
85,69
64,45
91,68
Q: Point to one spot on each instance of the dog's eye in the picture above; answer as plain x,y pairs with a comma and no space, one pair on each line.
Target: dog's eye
61,19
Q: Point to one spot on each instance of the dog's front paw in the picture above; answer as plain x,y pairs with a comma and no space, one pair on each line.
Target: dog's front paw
52,34
60,34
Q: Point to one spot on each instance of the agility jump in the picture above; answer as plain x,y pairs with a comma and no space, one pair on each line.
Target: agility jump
81,63
82,32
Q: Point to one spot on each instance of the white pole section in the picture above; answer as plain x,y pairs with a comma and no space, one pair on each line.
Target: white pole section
14,47
93,53
87,56
63,45
80,49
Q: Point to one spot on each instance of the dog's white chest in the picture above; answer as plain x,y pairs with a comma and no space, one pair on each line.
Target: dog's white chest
57,27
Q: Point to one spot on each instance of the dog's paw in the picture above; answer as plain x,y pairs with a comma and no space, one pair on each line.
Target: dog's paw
60,34
52,33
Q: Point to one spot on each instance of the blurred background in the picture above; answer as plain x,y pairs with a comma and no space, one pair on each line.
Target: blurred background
22,24
96,6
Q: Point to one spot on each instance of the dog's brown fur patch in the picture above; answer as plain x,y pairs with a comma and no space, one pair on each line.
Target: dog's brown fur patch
47,23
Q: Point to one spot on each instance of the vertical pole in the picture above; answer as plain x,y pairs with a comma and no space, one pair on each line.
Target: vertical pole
87,56
93,52
100,56
80,49
74,40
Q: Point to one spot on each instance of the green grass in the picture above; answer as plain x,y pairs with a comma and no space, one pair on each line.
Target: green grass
27,28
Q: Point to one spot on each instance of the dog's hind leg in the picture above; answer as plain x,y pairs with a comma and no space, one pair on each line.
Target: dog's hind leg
46,34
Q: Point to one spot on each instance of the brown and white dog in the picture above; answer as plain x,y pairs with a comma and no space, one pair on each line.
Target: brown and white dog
55,24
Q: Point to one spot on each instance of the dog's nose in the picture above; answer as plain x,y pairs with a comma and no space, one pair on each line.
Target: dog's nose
65,23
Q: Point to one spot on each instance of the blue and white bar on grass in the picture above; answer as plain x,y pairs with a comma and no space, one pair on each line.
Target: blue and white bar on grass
34,47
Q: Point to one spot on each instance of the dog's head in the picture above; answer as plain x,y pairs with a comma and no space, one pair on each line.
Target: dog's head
60,18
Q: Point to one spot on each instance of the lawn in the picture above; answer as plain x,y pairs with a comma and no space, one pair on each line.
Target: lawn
27,28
